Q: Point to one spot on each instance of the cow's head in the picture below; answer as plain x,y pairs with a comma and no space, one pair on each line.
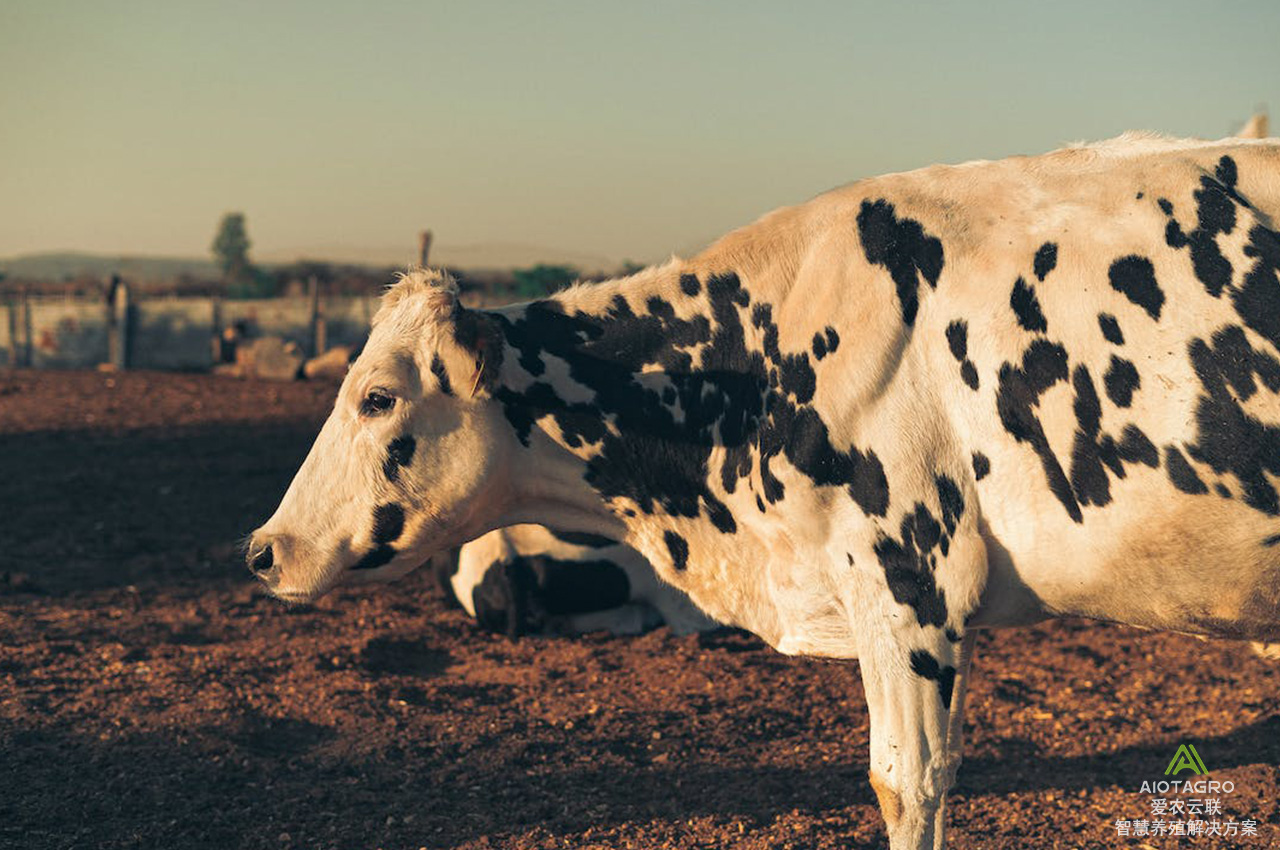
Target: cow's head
410,461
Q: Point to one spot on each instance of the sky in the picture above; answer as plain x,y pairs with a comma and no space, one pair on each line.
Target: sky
607,129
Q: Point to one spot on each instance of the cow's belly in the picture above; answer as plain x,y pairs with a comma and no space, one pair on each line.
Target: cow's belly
1154,557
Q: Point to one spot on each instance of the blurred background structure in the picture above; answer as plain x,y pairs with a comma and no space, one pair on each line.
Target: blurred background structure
556,133
306,151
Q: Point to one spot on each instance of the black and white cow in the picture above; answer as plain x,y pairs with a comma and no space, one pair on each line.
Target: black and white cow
921,404
527,579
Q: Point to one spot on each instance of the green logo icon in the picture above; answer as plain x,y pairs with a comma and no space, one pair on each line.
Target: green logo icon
1186,757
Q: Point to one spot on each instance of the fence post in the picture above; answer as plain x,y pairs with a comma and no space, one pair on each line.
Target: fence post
424,247
317,320
216,344
11,319
24,323
119,325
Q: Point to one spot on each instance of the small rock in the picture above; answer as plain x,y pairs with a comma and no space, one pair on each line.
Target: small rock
332,364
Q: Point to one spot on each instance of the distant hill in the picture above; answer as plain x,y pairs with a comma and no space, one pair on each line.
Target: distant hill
66,265
489,255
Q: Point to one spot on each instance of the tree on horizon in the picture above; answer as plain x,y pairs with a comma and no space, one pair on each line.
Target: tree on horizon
231,248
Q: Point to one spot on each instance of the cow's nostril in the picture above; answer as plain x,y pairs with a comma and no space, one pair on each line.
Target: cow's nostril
262,561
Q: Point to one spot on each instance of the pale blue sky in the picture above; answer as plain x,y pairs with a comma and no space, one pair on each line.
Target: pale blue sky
617,129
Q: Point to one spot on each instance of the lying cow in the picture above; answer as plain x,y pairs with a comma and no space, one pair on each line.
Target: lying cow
527,579
916,406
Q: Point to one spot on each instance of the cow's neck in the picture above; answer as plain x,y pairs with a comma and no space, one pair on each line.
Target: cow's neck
619,391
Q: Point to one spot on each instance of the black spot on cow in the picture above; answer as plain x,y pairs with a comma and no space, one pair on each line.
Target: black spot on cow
375,557
437,369
904,248
721,517
583,538
1094,453
1026,306
910,563
1110,329
1135,279
1225,171
1044,364
1135,447
958,341
1181,473
759,503
1257,301
679,549
690,285
1165,206
797,378
981,465
388,523
825,342
1121,380
1222,489
1228,438
1216,202
950,502
399,454
924,665
753,402
1089,478
1138,197
1047,258
1271,541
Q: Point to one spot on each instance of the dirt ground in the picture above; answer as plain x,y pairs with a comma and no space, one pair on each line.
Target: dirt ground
150,697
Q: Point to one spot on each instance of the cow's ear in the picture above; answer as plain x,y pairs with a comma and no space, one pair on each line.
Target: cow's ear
479,335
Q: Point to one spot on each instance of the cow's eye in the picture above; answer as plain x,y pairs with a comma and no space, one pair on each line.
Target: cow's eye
376,403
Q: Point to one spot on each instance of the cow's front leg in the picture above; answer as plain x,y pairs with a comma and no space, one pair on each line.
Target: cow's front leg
915,694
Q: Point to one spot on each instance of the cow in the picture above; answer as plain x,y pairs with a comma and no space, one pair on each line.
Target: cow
527,579
1258,127
866,426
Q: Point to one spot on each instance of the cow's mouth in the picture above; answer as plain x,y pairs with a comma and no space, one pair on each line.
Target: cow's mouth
294,597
